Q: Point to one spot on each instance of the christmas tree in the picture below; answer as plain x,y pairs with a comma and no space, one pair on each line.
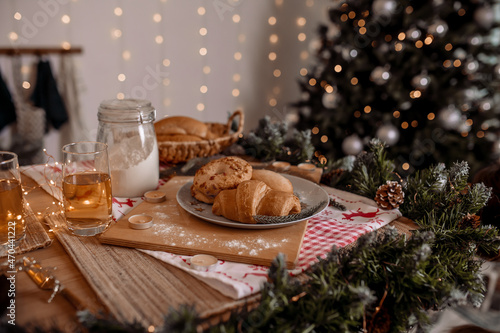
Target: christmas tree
423,76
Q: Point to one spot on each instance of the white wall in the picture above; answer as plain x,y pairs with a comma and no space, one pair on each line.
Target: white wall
173,89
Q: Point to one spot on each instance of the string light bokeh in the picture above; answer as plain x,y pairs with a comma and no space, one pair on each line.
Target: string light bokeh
191,58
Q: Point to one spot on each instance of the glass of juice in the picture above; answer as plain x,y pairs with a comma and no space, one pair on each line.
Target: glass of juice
12,208
86,187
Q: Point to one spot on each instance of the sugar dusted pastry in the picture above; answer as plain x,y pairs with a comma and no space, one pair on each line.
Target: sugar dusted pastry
218,175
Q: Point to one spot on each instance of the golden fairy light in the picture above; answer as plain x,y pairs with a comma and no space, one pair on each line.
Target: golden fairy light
13,36
65,19
157,17
66,45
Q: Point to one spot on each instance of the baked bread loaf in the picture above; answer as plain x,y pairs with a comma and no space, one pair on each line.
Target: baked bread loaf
254,197
273,179
179,126
178,137
218,175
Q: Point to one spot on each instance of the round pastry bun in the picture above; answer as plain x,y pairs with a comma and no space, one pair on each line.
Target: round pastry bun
182,125
218,175
273,179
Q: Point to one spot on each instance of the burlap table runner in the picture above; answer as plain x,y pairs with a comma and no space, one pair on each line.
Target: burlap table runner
134,286
35,237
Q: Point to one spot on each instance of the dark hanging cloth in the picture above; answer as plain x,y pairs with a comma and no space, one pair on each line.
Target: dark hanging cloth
7,108
46,96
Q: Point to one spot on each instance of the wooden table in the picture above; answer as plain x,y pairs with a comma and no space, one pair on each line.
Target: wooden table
31,302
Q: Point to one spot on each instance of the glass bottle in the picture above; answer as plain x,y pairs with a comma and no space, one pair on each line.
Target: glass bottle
126,126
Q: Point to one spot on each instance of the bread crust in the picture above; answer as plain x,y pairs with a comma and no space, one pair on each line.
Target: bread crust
218,175
181,125
178,137
254,197
273,179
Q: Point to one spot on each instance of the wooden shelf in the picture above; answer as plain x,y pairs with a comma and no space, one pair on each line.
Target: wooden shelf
38,50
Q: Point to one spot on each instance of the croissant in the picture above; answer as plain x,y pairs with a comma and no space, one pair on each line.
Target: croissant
254,197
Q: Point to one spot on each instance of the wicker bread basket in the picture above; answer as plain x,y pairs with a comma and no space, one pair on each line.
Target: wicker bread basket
183,151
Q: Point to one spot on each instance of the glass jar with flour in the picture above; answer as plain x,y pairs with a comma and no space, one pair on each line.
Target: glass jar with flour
127,127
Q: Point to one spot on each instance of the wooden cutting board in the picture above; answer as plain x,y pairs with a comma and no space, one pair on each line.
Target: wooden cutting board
177,231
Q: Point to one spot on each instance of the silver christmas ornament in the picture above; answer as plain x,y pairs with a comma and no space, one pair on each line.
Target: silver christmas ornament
460,53
463,127
405,105
346,54
495,149
476,40
413,34
384,7
471,66
380,75
330,100
496,70
352,145
474,94
438,29
388,133
450,118
485,105
421,81
484,17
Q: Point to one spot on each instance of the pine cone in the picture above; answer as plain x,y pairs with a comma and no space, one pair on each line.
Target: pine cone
470,221
390,195
331,177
